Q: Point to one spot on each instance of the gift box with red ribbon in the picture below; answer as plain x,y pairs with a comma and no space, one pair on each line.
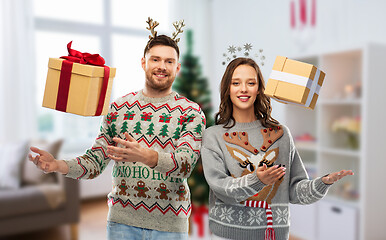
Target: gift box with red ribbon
79,83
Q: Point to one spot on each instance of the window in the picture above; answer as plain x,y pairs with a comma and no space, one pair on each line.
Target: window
129,72
88,11
128,15
116,29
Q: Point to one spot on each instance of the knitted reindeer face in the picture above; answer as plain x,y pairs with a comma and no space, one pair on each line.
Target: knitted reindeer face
250,162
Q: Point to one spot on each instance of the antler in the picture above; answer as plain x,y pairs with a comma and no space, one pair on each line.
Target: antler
240,139
178,26
270,135
152,25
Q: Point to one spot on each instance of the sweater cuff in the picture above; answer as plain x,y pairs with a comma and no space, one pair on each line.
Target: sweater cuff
320,186
166,163
74,170
255,182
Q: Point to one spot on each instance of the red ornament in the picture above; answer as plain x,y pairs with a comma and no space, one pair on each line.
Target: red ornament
263,147
270,129
255,150
278,127
234,133
246,143
227,134
243,133
265,130
269,141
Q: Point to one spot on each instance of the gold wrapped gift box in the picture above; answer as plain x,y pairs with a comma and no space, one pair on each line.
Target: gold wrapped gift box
84,89
294,82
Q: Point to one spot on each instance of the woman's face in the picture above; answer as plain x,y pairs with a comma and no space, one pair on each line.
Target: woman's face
243,90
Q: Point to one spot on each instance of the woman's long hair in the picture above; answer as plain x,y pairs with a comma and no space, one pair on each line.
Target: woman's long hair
262,104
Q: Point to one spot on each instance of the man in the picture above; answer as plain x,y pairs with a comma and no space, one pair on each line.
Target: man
154,137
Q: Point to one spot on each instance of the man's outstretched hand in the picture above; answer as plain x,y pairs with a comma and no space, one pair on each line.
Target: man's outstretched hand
46,162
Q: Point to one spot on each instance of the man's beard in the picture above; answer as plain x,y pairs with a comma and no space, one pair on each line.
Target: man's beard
159,85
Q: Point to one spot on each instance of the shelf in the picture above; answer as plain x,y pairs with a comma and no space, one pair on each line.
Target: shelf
342,201
341,152
352,93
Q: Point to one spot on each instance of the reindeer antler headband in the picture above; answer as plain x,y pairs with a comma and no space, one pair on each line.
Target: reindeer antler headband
152,25
178,25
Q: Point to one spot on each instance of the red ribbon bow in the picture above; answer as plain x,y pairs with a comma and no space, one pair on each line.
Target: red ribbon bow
83,58
65,76
146,114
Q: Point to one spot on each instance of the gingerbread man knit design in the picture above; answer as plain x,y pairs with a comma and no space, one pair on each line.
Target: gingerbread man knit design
181,193
123,187
163,192
141,189
185,167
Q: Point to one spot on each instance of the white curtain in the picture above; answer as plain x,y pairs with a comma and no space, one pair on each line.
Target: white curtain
17,75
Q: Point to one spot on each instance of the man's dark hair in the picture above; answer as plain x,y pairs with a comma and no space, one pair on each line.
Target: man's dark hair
161,40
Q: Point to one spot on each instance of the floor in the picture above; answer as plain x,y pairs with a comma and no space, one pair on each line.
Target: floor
92,225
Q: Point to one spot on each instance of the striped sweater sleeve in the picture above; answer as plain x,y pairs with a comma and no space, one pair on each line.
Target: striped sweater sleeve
95,160
302,190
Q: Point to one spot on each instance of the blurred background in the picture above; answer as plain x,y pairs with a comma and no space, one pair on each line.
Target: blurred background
344,38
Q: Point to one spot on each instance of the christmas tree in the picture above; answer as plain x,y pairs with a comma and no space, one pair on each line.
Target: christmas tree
124,127
176,134
191,84
164,131
112,130
150,130
137,128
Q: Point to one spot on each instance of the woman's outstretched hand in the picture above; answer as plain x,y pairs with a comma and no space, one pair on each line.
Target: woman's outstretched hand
336,176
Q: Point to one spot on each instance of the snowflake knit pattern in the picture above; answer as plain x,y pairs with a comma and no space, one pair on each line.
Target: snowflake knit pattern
153,198
240,205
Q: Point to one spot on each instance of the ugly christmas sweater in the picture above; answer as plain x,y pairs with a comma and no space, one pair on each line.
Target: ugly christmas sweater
153,198
240,205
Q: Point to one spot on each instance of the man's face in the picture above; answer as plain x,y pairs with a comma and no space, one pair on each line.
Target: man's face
161,67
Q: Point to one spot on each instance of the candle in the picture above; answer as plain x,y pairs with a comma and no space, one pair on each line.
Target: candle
292,9
303,11
313,13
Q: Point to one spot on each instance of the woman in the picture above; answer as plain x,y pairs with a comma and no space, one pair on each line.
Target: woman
251,164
